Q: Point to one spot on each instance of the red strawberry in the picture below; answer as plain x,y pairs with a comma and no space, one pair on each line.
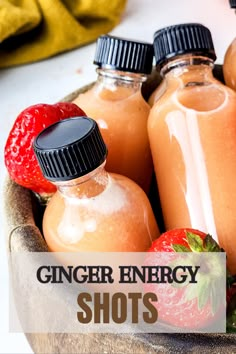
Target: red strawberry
20,159
69,109
182,305
174,237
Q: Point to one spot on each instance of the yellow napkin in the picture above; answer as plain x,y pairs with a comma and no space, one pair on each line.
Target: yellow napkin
31,30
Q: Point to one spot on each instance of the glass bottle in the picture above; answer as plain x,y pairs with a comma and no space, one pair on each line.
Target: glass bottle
229,66
116,101
92,210
192,131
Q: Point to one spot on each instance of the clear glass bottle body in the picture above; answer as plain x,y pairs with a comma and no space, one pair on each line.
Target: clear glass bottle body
192,131
117,104
229,66
99,212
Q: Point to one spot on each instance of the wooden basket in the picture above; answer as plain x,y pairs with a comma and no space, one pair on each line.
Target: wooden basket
23,213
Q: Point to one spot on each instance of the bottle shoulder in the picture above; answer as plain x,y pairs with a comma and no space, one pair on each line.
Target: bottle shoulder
113,105
120,193
229,67
232,47
207,98
109,93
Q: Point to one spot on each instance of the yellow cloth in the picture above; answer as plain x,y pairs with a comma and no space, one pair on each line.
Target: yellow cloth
31,30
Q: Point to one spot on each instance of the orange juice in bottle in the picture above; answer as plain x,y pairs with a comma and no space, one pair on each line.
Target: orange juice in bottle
92,210
116,101
229,67
192,131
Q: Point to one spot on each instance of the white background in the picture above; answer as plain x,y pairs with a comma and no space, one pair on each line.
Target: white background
48,81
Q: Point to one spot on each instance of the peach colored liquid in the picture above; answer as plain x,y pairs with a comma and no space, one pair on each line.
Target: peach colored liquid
119,219
122,118
229,67
193,141
157,93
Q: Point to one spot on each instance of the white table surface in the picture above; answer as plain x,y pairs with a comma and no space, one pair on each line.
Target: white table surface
48,81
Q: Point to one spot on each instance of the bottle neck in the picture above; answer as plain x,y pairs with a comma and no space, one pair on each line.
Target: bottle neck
87,186
111,79
188,68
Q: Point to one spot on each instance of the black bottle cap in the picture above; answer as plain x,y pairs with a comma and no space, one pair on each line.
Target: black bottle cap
125,55
182,39
232,4
70,148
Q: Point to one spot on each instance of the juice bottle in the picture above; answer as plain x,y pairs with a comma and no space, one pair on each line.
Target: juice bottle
91,210
229,67
192,131
116,101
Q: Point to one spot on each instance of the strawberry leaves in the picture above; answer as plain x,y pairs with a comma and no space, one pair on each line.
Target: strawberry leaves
211,245
196,244
180,248
208,288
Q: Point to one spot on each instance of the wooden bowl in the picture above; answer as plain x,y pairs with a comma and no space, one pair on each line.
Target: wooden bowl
23,225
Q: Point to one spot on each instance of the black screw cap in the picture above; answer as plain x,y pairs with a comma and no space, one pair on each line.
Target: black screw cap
70,148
